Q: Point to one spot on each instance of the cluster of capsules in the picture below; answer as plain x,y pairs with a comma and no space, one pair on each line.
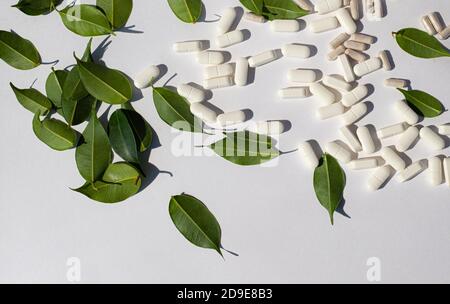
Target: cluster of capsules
434,24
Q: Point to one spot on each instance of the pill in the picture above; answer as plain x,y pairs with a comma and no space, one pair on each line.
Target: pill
379,177
370,6
323,25
296,51
447,170
337,83
354,9
305,4
340,151
210,57
393,158
347,2
426,22
444,129
436,171
326,6
203,112
254,18
356,55
308,154
325,95
392,130
411,171
145,78
218,71
287,26
229,39
191,93
241,75
406,112
445,33
351,139
432,139
294,92
407,138
379,9
366,140
364,163
355,95
329,111
346,20
355,113
386,60
272,127
368,66
227,20
363,38
347,68
219,82
436,20
339,40
190,46
396,83
355,45
302,75
334,54
263,58
231,118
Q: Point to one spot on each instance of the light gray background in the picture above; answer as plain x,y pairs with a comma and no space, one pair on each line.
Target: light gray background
269,216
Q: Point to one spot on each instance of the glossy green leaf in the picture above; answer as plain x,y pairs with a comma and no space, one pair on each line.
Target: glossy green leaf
37,7
283,9
246,148
87,55
119,182
255,6
77,111
18,52
54,86
329,184
420,44
122,138
85,20
195,222
54,133
105,84
93,155
73,87
142,130
188,11
32,100
423,103
117,11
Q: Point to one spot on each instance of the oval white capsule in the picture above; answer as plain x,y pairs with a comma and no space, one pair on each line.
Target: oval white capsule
254,18
347,68
340,151
308,154
210,57
263,58
296,51
436,171
203,113
323,25
337,83
190,46
444,129
355,113
302,75
351,139
393,130
329,111
346,20
406,112
368,66
218,71
339,40
229,39
386,60
191,93
334,54
393,158
272,127
355,96
241,75
356,55
379,177
294,92
146,77
407,138
281,25
432,139
327,6
426,22
366,139
363,38
227,20
355,45
231,118
218,83
325,95
364,163
396,83
411,171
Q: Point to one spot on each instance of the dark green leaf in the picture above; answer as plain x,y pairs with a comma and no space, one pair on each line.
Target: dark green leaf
284,9
37,7
18,52
87,55
76,111
85,20
54,133
122,138
117,11
255,6
54,86
32,100
423,103
420,44
188,11
142,130
73,87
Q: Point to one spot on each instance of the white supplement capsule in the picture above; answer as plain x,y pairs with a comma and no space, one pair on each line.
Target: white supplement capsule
191,93
218,71
327,6
263,58
272,127
302,75
190,46
146,77
444,129
445,33
432,139
393,130
323,25
364,163
211,57
426,22
341,152
334,54
363,38
219,82
308,154
396,83
355,113
305,4
339,40
229,39
325,95
347,68
337,83
437,22
296,51
357,55
379,9
406,112
368,66
387,64
379,177
407,138
203,112
241,75
346,20
227,20
351,139
294,92
447,170
231,118
393,158
366,139
355,96
329,111
286,26
411,171
436,171
254,18
354,9
355,45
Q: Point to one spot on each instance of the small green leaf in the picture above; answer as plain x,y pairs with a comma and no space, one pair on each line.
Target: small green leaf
420,44
37,7
195,222
87,55
73,87
188,11
54,133
142,130
117,11
54,86
329,183
32,100
283,9
122,138
85,20
77,111
255,6
119,182
18,52
423,103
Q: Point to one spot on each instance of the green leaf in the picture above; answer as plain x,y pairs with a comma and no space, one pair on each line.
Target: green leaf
284,9
54,133
73,87
188,11
423,103
119,182
122,138
87,55
117,11
255,6
85,20
420,44
195,222
32,100
329,183
105,84
246,148
77,111
143,133
37,7
54,86
18,52
93,156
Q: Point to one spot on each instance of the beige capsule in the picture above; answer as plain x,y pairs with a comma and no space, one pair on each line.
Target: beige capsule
363,38
357,55
339,40
445,33
426,22
396,83
334,54
386,60
436,20
355,45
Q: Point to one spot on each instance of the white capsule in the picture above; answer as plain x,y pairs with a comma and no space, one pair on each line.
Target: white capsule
241,75
351,139
254,18
287,26
437,22
355,45
305,4
356,55
447,170
218,83
263,58
363,38
191,93
325,95
146,77
340,151
411,171
337,83
386,61
329,111
368,66
302,75
355,96
218,71
355,113
347,68
326,6
396,83
407,138
229,39
393,158
366,139
294,92
227,20
308,154
272,127
323,25
379,177
406,112
436,171
296,51
203,112
346,20
354,9
444,129
211,57
426,22
339,40
432,139
393,130
445,33
190,46
364,163
334,54
379,10
231,118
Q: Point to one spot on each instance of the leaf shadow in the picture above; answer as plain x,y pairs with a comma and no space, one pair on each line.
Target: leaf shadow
100,50
129,30
203,16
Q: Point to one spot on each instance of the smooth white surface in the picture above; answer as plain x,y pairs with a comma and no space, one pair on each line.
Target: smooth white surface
269,215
